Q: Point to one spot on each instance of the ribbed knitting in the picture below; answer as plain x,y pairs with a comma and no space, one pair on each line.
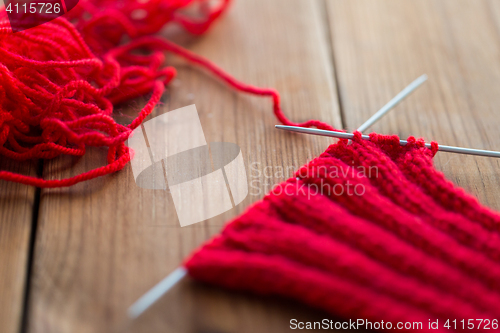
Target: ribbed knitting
60,81
408,246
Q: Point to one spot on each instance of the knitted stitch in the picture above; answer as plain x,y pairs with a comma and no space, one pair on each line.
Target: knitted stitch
60,80
409,247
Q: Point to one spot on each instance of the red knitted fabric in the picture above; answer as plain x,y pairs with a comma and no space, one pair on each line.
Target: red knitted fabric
409,246
59,81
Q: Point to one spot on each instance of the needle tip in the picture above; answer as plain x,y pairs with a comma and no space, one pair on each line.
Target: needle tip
155,293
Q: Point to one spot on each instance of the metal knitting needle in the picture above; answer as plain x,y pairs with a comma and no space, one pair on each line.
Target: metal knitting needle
340,135
393,102
155,293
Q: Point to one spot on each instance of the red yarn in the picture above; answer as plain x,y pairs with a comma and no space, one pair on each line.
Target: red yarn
60,80
412,247
409,247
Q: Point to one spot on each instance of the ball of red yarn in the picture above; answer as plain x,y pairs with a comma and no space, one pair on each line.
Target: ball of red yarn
60,80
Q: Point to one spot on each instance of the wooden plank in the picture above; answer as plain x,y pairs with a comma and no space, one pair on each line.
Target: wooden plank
382,45
16,214
102,244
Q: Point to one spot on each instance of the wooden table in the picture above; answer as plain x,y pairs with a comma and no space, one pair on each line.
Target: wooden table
74,259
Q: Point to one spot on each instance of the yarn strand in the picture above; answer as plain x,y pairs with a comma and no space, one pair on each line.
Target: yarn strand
59,81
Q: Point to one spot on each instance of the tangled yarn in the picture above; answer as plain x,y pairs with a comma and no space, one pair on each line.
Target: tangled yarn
59,81
410,247
405,245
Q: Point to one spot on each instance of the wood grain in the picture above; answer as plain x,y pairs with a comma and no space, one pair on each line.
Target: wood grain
381,46
16,214
102,244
